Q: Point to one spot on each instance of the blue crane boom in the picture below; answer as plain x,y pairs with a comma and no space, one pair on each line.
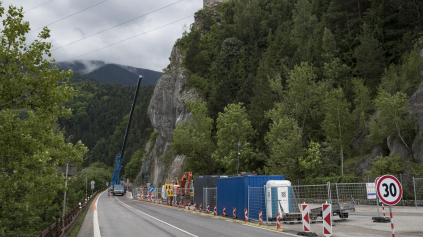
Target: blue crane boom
119,157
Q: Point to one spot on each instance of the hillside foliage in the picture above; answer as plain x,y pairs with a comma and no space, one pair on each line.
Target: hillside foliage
309,75
100,113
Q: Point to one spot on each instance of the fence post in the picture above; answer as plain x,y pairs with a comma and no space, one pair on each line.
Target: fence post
207,196
415,194
265,203
337,193
216,195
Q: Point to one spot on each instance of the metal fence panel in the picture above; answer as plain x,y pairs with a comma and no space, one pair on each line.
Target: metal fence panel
355,193
210,198
256,203
418,191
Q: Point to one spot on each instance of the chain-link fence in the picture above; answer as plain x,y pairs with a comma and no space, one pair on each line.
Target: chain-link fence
210,198
418,191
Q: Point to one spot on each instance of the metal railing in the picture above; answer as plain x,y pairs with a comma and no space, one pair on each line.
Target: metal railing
56,229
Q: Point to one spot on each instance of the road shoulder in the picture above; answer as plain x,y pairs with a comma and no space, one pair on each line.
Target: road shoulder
87,228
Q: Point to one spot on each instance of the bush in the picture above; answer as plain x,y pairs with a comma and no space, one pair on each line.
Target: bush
391,164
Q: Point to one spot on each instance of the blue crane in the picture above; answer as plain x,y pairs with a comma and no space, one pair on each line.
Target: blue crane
119,157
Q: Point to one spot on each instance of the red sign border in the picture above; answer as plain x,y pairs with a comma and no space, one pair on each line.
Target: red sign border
399,185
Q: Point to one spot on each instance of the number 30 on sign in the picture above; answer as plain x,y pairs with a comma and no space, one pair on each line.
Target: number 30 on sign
389,189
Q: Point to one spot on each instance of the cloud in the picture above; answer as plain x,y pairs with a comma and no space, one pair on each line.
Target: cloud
150,50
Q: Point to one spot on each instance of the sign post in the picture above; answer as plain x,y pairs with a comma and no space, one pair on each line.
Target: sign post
389,190
92,186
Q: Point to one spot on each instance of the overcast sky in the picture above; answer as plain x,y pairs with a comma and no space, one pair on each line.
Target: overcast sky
150,50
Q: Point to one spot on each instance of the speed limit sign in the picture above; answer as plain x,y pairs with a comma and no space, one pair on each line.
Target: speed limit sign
389,189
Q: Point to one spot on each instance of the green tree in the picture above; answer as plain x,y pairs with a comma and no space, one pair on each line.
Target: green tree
233,127
363,105
312,160
285,144
194,139
297,98
32,147
338,125
132,169
393,119
370,60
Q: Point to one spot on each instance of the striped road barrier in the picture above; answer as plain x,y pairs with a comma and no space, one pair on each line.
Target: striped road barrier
327,220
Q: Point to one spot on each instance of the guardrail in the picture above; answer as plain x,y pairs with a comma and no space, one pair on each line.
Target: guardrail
62,223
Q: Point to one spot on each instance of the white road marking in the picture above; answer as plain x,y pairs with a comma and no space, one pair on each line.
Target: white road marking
186,232
96,226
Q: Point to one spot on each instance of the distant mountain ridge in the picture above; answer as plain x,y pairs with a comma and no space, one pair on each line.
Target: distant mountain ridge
111,72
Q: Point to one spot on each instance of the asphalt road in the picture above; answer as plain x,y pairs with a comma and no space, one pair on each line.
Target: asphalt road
119,216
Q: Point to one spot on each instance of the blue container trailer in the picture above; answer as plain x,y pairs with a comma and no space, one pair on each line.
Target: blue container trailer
232,192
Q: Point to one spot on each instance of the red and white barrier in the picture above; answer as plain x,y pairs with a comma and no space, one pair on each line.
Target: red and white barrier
189,206
246,214
260,218
195,206
208,207
139,196
392,221
234,213
214,210
306,217
224,212
327,220
278,220
201,207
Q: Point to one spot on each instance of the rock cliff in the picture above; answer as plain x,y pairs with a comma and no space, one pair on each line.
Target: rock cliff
166,110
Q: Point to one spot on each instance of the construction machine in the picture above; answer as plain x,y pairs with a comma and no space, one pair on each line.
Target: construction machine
117,186
180,188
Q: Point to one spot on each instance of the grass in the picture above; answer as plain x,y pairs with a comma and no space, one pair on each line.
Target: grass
78,224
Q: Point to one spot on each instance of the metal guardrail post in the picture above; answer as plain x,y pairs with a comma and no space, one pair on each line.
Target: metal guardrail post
415,193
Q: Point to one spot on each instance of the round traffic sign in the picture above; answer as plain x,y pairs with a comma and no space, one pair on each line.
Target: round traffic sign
389,189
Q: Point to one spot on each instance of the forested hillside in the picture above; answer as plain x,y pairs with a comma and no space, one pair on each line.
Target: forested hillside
110,73
299,84
100,113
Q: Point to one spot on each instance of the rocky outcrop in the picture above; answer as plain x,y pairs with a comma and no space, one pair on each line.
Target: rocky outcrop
415,104
398,147
212,3
364,166
166,110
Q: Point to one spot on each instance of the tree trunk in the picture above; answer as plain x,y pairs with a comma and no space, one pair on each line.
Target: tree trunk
346,14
